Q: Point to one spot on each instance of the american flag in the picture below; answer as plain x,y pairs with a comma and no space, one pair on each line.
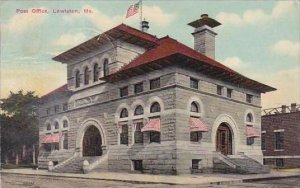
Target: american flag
133,9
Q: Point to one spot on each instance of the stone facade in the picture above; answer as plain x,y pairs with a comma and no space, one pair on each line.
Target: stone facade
99,104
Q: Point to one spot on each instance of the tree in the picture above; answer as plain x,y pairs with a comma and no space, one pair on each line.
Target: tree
19,123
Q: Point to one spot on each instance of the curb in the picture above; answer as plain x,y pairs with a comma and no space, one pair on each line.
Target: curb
59,175
271,178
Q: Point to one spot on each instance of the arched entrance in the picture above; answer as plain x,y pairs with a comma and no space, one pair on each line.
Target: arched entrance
224,139
92,142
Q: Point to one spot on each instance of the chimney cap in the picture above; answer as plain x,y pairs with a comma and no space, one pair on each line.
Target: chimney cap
205,20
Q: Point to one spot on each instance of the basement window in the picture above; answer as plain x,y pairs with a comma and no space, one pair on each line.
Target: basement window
279,163
195,163
137,165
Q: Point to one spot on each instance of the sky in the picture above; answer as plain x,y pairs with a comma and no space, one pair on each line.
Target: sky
260,39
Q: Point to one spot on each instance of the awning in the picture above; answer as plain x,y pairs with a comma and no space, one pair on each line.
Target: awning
197,125
251,132
51,138
152,125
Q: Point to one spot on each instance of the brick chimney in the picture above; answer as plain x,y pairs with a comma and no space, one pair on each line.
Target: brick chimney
283,109
204,35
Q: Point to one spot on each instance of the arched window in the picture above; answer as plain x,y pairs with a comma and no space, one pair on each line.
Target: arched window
77,78
155,107
194,107
56,126
48,127
65,124
86,76
96,72
105,67
138,110
249,117
124,113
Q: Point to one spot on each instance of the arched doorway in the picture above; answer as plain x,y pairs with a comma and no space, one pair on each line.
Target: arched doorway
92,142
224,139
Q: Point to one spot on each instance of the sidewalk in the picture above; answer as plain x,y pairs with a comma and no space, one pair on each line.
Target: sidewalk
202,179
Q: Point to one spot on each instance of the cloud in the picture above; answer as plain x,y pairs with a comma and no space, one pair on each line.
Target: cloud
70,39
287,84
286,48
42,79
23,22
154,14
257,15
233,62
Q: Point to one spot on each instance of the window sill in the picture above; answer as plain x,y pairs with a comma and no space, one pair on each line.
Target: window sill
278,149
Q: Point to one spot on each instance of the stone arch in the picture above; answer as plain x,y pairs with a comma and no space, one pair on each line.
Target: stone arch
83,128
199,102
153,100
119,109
249,111
229,121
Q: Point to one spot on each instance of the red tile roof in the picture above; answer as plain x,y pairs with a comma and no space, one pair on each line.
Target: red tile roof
63,88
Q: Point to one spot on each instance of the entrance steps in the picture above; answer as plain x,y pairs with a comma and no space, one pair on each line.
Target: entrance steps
240,164
75,164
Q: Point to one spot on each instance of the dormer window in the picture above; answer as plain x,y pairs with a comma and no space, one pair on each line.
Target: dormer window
86,76
96,72
105,67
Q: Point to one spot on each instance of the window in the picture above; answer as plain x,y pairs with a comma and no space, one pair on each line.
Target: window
124,113
263,141
249,98
229,92
250,140
194,83
65,124
155,107
65,106
278,140
77,79
137,165
124,91
96,72
56,146
154,137
195,136
105,67
279,163
86,76
249,117
138,110
124,135
138,88
56,126
48,111
65,142
219,90
47,147
56,108
194,107
48,127
195,163
155,83
138,134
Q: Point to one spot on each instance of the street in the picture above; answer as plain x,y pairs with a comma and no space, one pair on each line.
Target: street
30,181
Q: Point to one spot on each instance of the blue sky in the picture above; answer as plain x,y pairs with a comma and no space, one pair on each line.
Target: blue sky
257,38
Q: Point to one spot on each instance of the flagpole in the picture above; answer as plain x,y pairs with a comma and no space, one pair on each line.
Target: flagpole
141,14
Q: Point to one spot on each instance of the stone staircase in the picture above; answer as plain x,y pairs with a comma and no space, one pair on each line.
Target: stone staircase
75,165
240,164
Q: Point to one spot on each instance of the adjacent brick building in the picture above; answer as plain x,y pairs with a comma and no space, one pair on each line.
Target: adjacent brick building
135,102
281,136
